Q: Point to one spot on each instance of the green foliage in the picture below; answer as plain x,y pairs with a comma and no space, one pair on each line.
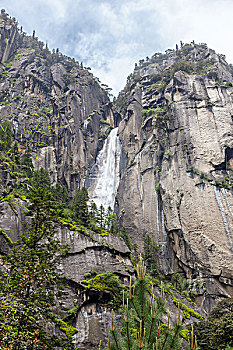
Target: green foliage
8,64
61,194
125,236
9,166
100,220
90,273
153,111
110,222
151,256
185,287
43,112
93,213
26,164
187,67
217,331
41,179
69,330
188,312
80,207
142,325
107,281
5,235
225,183
103,121
159,115
30,284
101,217
5,136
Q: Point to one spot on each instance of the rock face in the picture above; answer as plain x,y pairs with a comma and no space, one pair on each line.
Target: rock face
176,186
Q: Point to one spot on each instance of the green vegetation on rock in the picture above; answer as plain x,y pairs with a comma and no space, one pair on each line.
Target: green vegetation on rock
143,320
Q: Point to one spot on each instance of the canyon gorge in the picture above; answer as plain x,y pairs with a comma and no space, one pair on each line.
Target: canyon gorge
160,155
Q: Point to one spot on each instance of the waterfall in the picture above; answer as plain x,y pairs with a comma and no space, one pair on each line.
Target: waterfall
106,172
164,233
224,217
228,204
160,240
85,123
140,189
157,221
162,236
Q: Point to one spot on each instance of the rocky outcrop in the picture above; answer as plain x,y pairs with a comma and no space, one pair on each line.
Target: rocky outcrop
88,254
177,185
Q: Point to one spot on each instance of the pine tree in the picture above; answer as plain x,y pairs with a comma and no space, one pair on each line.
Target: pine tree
93,214
80,207
26,164
150,256
142,326
10,171
110,222
101,217
61,194
124,235
41,179
216,332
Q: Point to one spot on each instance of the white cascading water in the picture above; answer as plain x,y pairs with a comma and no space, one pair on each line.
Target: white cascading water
228,204
162,236
108,171
140,189
224,216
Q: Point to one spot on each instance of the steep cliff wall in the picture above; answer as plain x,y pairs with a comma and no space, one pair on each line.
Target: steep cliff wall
177,141
55,106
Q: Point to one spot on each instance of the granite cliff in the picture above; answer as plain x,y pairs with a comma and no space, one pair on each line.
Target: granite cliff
173,160
176,182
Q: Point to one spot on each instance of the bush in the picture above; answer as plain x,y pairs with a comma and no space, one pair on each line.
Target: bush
217,332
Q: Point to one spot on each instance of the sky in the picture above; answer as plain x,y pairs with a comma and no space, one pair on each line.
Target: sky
111,35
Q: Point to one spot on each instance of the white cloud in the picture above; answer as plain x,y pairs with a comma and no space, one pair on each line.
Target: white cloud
115,73
111,35
58,8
